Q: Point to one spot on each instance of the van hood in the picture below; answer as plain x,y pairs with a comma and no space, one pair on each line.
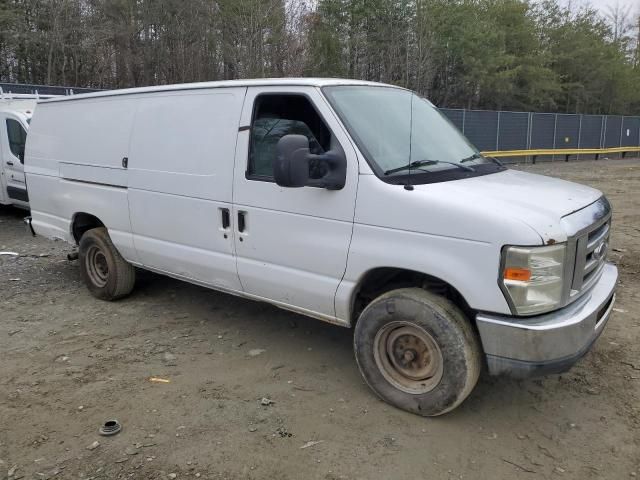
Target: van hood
536,200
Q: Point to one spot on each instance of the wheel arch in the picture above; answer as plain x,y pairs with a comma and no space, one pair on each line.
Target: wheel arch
81,222
379,280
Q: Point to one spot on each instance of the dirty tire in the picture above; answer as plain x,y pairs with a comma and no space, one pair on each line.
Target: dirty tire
106,274
455,355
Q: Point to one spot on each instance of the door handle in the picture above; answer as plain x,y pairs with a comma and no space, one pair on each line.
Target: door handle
242,221
10,164
226,218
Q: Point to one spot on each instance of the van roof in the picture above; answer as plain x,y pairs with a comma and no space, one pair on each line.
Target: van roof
18,104
263,82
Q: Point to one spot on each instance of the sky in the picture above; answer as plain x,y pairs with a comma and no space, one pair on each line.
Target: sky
604,4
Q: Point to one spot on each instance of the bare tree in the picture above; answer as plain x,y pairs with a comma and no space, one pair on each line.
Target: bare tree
621,20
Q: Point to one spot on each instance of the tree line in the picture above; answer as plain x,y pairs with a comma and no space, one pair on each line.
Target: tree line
497,54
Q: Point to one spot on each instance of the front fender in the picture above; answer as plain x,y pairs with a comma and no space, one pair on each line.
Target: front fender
471,267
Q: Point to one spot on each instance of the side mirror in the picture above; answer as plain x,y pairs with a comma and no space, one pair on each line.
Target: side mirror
291,168
293,162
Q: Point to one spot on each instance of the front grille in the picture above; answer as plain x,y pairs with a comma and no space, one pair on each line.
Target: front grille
591,254
588,231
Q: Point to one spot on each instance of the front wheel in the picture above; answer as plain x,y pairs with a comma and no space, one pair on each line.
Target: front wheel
107,275
417,351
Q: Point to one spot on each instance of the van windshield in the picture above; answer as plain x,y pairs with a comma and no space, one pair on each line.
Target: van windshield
402,134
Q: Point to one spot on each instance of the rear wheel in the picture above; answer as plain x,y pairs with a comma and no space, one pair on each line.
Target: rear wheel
107,275
417,351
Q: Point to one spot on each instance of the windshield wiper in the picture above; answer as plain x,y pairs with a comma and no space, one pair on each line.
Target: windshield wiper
475,156
425,163
470,158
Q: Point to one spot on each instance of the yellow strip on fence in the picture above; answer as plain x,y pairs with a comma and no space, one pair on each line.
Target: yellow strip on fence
566,152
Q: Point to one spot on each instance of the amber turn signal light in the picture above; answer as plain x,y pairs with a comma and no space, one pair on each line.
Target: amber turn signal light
520,274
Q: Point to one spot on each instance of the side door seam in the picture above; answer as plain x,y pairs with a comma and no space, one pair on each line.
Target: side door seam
355,204
126,154
232,221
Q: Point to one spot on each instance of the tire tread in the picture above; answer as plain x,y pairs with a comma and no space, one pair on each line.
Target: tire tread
124,274
445,309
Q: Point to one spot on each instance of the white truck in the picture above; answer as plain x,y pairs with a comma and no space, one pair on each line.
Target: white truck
15,114
352,202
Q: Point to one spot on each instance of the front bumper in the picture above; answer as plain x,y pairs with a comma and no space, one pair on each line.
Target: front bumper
550,343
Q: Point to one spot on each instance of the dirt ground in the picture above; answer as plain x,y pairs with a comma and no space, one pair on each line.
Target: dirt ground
70,362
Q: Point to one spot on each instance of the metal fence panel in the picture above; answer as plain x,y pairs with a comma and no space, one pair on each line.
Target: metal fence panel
513,131
542,130
490,130
612,132
567,131
481,128
630,132
591,131
456,116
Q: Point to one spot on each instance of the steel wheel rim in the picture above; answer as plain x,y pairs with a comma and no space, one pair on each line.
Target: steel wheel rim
97,266
408,357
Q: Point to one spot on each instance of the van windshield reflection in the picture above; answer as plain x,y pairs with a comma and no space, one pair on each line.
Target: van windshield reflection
400,132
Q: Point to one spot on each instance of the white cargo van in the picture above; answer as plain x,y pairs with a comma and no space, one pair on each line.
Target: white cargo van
15,114
352,202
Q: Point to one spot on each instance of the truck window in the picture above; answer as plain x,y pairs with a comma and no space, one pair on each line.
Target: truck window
275,116
17,138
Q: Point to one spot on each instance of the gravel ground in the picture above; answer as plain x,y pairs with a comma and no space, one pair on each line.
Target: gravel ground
71,362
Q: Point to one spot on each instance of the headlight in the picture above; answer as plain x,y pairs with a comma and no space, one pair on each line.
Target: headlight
533,278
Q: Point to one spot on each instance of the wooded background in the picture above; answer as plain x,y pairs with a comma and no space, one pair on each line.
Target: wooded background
496,54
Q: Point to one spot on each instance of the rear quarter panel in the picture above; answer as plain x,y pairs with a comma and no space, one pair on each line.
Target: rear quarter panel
73,163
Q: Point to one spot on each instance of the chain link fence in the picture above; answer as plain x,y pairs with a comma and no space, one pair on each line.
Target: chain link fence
492,130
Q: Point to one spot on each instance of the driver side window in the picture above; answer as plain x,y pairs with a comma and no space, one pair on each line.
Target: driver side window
17,137
277,115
